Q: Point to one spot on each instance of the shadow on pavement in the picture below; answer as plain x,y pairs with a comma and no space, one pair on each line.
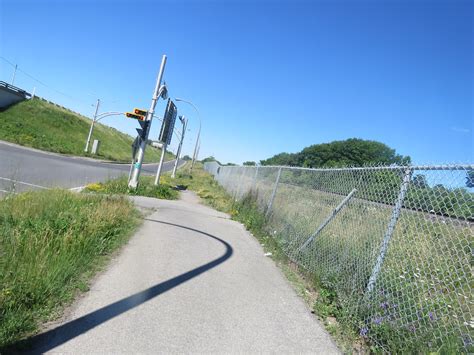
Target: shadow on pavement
52,338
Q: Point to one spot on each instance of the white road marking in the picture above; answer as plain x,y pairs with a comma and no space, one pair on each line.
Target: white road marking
24,183
78,189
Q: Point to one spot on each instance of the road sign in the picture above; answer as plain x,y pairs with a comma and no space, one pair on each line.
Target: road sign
167,127
135,116
140,112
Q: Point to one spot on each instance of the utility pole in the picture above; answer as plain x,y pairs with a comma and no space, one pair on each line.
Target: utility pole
14,73
178,153
133,182
88,141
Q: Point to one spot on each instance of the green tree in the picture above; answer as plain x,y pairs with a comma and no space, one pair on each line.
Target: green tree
420,181
249,163
288,159
208,159
349,152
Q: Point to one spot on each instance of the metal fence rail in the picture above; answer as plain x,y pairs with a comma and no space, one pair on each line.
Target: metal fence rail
395,243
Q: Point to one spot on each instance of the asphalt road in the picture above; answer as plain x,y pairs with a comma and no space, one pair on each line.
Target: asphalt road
24,169
189,281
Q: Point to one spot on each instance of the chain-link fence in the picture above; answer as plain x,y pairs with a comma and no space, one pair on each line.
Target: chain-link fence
394,243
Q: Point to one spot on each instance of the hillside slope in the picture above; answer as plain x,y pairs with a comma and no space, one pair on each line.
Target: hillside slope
39,124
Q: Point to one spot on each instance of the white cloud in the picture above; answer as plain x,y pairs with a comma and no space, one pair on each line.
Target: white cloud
460,129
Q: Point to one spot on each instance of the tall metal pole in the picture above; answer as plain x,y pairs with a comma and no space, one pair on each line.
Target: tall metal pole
133,183
178,153
197,152
199,131
160,166
196,147
88,141
14,73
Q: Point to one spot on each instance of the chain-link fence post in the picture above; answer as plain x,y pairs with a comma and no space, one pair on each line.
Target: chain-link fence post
240,182
272,197
333,214
391,227
254,182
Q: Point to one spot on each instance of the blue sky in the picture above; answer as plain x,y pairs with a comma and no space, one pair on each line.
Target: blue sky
267,76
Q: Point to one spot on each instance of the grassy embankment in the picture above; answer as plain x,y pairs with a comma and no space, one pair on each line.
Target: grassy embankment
51,243
42,125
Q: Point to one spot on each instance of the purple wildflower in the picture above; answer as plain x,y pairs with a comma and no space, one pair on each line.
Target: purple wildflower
384,305
467,341
432,316
377,320
363,332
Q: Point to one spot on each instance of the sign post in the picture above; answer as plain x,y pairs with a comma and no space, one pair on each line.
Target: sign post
184,121
137,165
166,134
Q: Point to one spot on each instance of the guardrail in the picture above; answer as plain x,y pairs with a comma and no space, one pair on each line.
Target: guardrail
15,89
394,244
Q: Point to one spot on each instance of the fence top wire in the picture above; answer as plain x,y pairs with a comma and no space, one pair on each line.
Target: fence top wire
377,167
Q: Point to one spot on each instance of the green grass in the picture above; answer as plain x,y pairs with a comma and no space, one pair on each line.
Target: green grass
204,185
145,188
200,182
51,242
42,125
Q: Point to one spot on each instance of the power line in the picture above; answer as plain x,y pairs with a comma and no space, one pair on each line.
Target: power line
175,131
41,82
6,60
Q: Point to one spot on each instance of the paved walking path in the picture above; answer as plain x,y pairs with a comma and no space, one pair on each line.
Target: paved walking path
189,281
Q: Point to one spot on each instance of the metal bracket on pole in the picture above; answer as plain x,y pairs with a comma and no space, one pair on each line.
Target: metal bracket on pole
391,227
272,198
328,219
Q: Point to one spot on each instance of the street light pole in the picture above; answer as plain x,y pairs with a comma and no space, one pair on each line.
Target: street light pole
133,183
197,152
14,73
199,131
86,149
178,153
